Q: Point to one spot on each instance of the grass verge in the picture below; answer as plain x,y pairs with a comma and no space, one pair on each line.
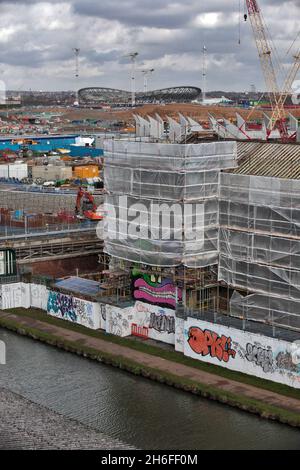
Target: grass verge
251,405
156,350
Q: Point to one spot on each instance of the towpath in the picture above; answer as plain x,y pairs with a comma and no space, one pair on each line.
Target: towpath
160,364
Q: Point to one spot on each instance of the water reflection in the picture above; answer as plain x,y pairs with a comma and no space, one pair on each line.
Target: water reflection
134,410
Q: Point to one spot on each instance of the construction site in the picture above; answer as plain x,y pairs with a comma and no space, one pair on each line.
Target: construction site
182,229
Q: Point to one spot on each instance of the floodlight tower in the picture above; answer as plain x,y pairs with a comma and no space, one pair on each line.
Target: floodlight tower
204,75
76,51
146,73
133,56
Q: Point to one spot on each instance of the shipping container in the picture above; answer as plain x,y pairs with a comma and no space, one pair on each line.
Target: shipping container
90,171
52,172
18,170
3,171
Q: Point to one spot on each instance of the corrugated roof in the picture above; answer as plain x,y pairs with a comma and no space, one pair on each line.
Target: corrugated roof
269,159
79,285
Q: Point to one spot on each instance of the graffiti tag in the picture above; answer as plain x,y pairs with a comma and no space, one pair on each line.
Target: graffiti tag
284,360
209,343
260,356
62,305
162,323
103,311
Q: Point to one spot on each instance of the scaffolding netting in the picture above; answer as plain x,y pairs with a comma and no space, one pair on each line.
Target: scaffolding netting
259,244
159,181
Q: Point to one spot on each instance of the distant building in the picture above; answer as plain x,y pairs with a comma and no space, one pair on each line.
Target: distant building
110,96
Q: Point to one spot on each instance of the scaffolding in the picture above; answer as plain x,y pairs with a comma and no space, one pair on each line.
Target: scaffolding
245,259
260,247
173,183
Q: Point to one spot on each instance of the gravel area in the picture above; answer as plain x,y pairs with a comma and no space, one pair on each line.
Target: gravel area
26,425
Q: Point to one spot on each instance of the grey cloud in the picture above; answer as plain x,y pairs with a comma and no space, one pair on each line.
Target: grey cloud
137,12
54,48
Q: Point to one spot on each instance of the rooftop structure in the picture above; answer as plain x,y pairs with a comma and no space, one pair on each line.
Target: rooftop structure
273,160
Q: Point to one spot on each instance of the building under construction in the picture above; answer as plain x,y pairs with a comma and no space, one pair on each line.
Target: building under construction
201,251
243,257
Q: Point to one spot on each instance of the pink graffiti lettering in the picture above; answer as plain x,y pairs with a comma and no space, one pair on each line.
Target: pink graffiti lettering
140,307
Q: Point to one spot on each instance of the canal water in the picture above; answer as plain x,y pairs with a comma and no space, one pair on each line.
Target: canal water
137,411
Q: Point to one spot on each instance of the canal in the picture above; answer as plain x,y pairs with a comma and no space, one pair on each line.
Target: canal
137,411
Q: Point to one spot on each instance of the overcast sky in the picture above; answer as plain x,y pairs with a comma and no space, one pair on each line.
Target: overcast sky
37,38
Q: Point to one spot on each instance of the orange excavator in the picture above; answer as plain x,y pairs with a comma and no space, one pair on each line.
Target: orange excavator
86,206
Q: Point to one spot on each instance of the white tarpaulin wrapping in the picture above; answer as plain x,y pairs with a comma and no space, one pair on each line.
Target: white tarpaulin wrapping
259,246
156,180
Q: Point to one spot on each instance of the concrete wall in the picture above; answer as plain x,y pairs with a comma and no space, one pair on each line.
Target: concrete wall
118,321
38,296
15,295
238,350
253,354
159,321
67,307
179,334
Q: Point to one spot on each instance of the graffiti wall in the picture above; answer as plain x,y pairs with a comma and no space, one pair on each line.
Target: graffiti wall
179,334
102,308
119,320
15,295
153,290
159,321
38,296
253,354
75,310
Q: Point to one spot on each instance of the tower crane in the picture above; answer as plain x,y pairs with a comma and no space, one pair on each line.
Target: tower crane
277,97
146,72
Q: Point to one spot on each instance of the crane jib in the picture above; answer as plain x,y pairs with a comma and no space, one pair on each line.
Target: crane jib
252,6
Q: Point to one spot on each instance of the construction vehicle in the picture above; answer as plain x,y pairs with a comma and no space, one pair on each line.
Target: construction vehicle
86,208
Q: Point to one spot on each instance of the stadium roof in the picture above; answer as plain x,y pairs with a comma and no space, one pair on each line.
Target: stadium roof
98,95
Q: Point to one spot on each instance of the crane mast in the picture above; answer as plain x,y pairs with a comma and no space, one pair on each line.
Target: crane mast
287,85
265,56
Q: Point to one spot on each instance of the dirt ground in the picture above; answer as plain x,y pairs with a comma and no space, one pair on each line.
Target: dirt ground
195,111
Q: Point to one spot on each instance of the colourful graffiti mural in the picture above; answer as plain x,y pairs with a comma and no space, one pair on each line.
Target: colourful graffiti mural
72,309
243,351
205,342
62,306
153,290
